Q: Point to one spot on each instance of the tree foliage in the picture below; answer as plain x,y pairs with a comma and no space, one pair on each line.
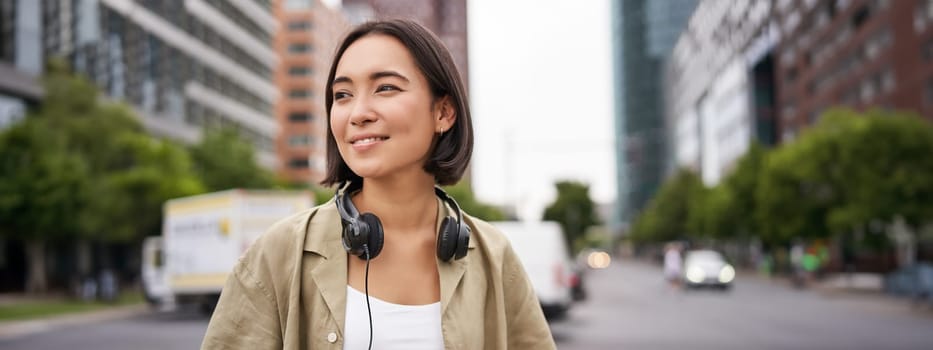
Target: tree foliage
573,210
223,160
44,184
80,168
848,172
667,214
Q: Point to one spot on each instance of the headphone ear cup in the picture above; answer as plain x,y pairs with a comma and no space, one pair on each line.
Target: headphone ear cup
375,237
463,240
447,240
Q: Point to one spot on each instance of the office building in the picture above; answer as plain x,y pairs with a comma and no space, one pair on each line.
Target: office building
20,58
643,34
446,18
719,87
305,42
183,65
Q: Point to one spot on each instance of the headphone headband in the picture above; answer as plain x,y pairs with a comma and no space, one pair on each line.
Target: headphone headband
450,200
343,201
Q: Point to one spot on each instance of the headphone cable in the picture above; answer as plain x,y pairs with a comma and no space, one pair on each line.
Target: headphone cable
366,288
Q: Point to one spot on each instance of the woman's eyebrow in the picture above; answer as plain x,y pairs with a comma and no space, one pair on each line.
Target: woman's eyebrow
373,76
387,73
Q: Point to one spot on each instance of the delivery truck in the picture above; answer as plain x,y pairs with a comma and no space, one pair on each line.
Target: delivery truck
202,238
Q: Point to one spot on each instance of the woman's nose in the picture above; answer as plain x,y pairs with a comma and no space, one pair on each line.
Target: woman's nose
362,112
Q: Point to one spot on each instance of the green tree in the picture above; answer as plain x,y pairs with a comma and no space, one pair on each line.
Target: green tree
128,174
223,160
157,171
727,211
667,214
44,186
134,173
797,189
886,170
846,172
573,210
712,213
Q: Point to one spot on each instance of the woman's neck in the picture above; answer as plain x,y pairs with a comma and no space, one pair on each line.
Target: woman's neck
402,205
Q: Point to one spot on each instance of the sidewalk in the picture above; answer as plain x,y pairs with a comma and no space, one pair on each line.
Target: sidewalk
855,287
19,328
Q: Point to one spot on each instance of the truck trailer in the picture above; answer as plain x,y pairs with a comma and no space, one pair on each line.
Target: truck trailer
202,238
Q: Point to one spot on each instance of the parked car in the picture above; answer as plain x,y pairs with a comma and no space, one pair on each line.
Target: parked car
707,268
914,282
542,250
577,289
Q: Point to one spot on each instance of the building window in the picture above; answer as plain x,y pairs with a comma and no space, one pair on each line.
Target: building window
851,97
788,56
861,17
299,93
788,135
12,110
791,22
791,75
299,117
299,26
299,71
869,88
299,140
887,80
788,112
298,163
927,51
299,48
929,93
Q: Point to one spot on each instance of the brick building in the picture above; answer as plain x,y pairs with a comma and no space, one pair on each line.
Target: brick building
857,53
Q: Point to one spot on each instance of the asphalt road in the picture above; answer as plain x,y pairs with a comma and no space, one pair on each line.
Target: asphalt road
629,307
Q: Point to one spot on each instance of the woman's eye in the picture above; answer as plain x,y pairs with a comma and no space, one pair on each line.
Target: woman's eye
340,95
386,87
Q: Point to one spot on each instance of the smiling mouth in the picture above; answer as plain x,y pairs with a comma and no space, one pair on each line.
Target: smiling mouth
369,140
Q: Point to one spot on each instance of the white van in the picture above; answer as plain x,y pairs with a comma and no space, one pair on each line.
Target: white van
542,249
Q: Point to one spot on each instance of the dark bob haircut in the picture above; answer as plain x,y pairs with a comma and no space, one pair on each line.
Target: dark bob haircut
452,150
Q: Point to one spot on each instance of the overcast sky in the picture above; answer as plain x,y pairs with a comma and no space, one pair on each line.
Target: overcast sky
541,92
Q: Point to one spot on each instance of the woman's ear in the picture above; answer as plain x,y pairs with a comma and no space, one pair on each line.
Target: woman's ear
444,115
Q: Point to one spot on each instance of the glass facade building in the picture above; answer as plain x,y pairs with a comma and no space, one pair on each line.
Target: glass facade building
643,34
183,65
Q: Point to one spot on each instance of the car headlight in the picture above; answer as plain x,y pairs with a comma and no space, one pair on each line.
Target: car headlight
726,274
695,274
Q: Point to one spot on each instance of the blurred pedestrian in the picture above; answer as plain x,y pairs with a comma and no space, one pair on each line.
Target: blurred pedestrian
398,126
673,265
798,272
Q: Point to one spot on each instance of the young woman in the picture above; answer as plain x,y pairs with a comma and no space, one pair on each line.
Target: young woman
391,262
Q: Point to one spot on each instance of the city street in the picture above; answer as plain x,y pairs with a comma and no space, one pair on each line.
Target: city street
629,307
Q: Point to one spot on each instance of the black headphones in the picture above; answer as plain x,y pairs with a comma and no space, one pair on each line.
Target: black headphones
363,232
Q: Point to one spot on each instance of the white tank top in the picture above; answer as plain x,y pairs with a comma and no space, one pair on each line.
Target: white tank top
395,326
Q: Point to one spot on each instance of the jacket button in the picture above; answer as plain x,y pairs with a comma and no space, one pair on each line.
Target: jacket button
332,337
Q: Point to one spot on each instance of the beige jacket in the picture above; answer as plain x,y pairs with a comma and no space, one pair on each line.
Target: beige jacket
288,291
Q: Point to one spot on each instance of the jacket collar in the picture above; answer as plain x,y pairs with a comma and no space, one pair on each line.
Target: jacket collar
322,237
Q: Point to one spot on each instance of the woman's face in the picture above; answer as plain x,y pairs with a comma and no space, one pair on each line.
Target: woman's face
383,118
